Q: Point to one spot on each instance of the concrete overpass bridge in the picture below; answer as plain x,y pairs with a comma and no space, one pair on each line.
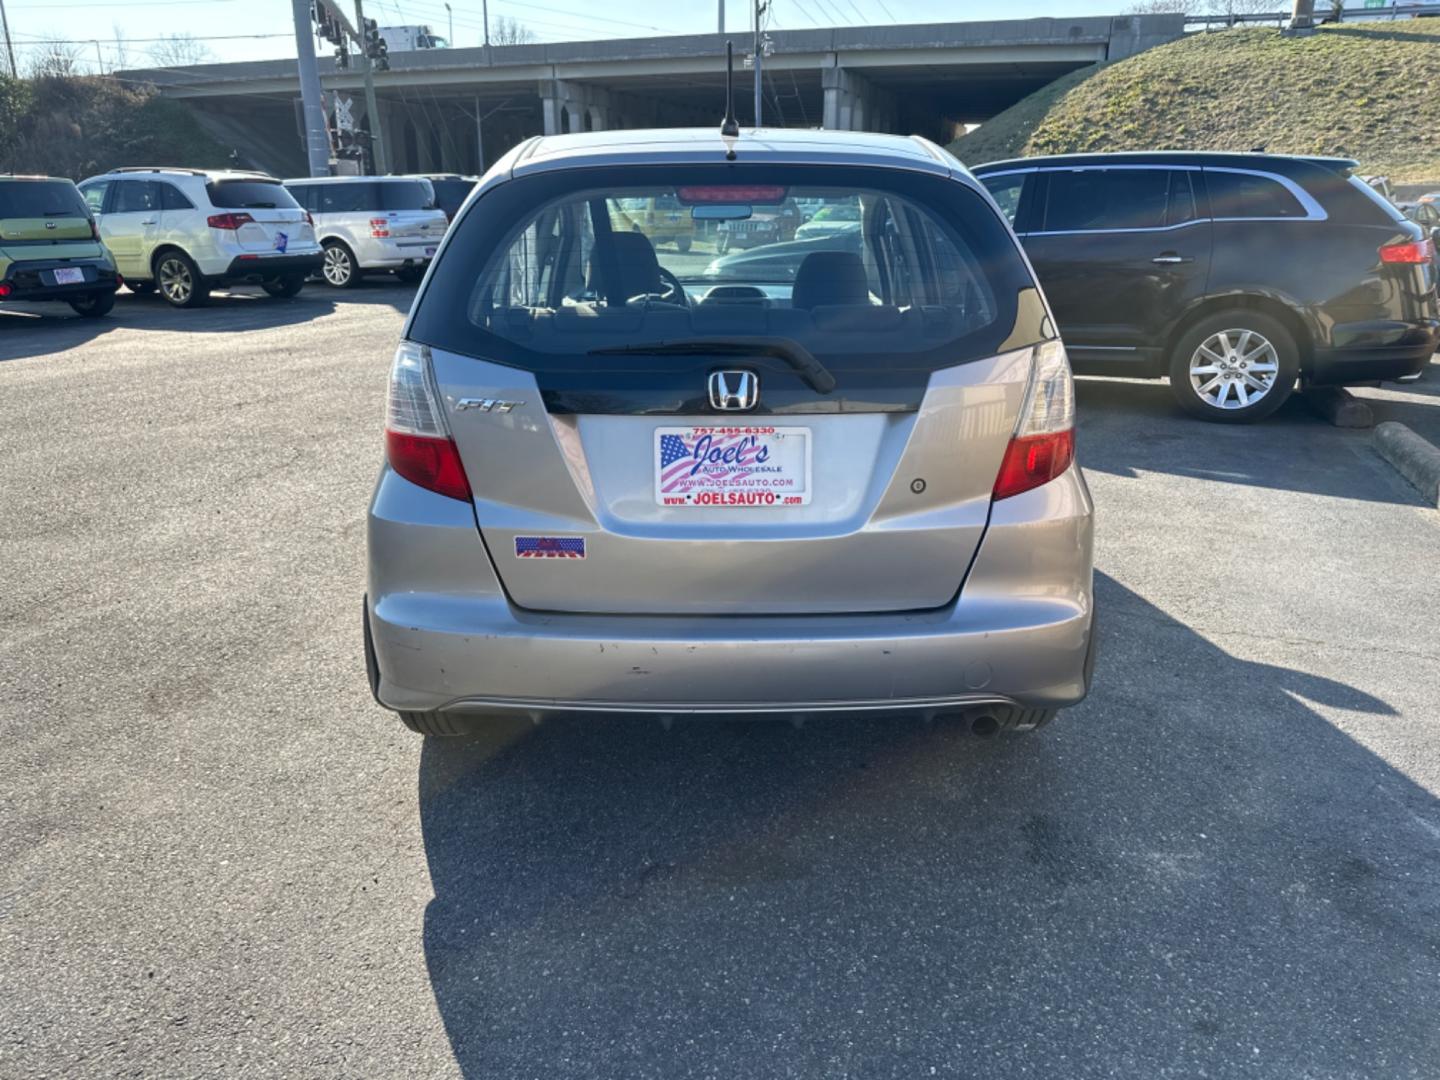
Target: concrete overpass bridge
456,109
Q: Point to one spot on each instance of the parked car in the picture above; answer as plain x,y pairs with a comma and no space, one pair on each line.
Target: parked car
776,264
608,489
371,223
662,219
765,225
1426,214
829,219
49,247
1233,275
188,231
451,190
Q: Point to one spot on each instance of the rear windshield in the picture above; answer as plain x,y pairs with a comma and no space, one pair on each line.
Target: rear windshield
40,199
362,197
251,194
558,270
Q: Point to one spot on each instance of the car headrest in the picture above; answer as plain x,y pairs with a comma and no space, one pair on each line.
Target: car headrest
826,278
635,262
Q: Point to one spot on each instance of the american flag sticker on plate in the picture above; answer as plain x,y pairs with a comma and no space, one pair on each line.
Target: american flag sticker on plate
549,547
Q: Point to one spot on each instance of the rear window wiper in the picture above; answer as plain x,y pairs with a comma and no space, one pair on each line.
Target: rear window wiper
259,206
788,349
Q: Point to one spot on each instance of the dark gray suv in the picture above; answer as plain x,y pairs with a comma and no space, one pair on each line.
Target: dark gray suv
1232,274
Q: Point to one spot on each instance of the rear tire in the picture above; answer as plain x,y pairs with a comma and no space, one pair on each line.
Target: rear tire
179,280
430,723
95,305
282,288
339,268
1234,367
683,243
410,275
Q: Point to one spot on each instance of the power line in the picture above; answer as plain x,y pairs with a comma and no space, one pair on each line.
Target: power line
144,40
886,10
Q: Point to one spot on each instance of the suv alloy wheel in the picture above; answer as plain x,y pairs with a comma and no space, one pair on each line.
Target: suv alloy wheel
179,280
1234,366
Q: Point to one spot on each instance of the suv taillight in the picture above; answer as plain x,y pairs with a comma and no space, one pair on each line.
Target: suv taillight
309,220
417,443
379,227
94,230
228,221
1419,251
1043,445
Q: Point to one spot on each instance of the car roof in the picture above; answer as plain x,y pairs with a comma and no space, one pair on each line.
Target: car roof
700,145
206,174
1218,159
353,179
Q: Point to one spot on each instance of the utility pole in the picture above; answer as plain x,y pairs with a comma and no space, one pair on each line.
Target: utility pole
372,110
317,139
485,19
9,48
451,16
760,8
721,24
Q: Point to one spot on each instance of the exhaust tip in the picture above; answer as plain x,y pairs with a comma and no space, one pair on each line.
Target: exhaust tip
984,724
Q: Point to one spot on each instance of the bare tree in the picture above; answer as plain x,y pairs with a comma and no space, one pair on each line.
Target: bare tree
507,31
1160,7
53,60
178,50
1247,7
122,51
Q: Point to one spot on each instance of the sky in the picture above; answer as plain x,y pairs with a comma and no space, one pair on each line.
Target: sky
94,24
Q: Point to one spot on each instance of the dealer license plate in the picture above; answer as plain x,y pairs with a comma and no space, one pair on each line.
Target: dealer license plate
738,466
69,275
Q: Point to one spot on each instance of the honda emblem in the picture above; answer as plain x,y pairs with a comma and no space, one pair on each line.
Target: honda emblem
734,391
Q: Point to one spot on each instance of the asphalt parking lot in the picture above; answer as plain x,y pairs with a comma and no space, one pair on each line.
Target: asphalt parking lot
218,857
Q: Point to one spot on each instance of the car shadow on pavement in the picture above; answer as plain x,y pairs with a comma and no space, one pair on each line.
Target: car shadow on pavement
1128,427
1192,873
28,330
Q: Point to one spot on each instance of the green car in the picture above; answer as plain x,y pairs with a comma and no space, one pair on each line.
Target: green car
49,247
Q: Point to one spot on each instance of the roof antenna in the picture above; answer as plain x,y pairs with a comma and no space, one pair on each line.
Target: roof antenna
730,126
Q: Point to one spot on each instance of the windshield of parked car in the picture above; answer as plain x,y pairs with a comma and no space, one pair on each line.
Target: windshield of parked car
569,265
251,195
41,198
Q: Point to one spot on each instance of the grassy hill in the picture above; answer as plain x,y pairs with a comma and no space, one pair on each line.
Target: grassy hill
1370,91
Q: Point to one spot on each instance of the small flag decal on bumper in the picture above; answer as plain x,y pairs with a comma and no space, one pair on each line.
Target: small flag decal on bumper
549,547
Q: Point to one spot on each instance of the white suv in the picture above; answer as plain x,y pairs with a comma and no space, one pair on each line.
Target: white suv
373,223
187,231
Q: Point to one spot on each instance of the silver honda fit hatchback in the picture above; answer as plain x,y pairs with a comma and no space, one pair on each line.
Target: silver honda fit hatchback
825,475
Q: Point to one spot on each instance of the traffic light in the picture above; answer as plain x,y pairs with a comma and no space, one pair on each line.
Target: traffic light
375,47
342,57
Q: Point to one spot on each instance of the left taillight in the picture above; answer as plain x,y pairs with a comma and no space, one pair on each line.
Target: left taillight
94,230
418,445
228,221
1043,445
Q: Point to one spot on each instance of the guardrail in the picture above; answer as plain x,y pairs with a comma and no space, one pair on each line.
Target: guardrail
1322,15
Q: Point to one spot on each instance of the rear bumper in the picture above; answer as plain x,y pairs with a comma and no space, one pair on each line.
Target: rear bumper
264,267
376,254
1371,352
27,280
1020,634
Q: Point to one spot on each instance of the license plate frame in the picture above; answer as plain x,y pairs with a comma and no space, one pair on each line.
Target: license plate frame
69,275
732,466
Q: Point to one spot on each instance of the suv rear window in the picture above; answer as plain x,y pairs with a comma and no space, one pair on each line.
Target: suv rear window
359,198
552,271
250,194
40,198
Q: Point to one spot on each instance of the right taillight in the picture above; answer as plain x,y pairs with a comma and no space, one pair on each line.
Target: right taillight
417,442
1043,445
1416,251
379,227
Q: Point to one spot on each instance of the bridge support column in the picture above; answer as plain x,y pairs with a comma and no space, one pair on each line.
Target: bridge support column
853,102
585,108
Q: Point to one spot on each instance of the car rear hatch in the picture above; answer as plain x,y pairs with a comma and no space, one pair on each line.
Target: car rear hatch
262,213
45,219
825,446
